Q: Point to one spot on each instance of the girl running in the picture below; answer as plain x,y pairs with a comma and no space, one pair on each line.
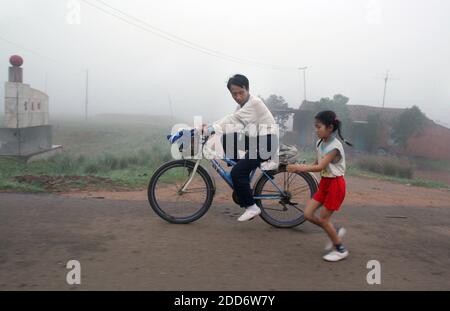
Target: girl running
331,165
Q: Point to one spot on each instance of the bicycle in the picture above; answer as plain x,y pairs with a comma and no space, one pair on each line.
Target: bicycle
182,191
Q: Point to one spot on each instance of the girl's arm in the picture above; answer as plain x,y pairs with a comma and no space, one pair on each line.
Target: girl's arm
317,167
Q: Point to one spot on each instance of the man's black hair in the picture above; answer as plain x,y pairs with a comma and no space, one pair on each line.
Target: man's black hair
238,80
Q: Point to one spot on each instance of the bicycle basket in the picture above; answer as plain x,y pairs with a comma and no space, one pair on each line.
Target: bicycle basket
188,141
288,154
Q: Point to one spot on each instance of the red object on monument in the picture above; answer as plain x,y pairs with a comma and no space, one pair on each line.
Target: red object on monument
16,60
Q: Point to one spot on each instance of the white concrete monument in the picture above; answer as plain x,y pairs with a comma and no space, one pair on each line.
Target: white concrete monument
26,132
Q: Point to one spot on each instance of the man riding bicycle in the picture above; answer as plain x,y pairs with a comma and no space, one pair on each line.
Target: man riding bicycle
252,116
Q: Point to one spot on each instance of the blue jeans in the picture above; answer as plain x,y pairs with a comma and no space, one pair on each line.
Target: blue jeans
240,174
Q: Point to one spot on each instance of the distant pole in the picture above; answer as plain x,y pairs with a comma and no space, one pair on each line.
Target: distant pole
45,83
386,79
19,138
171,108
87,96
304,80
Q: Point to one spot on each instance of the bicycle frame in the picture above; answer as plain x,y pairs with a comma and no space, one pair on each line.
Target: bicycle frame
226,176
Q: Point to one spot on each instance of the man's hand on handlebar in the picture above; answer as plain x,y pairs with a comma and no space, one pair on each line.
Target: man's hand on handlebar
207,130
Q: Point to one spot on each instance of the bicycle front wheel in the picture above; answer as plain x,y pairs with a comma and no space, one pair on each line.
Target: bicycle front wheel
177,196
283,197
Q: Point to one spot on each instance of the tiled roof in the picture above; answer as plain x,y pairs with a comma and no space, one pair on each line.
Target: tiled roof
360,112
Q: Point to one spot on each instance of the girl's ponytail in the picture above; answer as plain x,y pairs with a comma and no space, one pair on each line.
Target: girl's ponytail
338,126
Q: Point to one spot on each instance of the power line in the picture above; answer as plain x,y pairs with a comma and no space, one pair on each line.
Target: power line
29,50
176,39
187,41
86,99
164,33
185,44
37,53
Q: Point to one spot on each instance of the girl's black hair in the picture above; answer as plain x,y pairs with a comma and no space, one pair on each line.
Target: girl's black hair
329,118
239,80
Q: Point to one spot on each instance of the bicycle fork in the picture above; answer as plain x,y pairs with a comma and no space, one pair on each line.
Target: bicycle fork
184,187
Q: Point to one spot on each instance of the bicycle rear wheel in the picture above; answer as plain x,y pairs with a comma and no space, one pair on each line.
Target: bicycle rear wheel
287,211
173,204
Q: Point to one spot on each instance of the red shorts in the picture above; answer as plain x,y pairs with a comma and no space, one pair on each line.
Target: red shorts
331,192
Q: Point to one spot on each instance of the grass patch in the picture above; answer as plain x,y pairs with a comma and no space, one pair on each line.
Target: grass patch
390,166
20,187
124,155
121,151
352,171
60,173
435,165
96,137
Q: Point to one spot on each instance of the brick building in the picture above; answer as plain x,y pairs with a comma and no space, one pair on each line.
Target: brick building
432,142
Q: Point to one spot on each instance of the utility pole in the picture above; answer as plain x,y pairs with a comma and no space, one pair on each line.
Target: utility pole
386,79
87,96
171,109
19,138
45,82
304,80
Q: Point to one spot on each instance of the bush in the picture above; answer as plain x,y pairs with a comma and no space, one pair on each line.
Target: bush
92,168
110,162
386,166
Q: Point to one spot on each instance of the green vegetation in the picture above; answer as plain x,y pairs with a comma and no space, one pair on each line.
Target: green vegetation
97,154
131,170
389,166
390,169
399,170
352,171
123,154
436,165
279,107
372,131
407,124
20,187
339,105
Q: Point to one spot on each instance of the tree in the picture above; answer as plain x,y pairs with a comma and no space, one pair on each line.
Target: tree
280,110
408,123
339,105
372,131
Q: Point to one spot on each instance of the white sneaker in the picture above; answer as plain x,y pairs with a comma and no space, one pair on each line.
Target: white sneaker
335,256
250,212
341,233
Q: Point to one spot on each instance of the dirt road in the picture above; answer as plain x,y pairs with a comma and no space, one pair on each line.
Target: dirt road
123,245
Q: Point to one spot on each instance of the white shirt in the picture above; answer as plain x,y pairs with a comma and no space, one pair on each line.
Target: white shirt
337,166
253,117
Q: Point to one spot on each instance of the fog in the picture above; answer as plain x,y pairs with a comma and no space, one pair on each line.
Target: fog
347,46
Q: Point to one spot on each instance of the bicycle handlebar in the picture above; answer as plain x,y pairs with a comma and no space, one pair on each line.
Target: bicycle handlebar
175,137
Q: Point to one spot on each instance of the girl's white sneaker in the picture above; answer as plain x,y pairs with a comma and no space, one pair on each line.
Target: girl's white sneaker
335,256
341,232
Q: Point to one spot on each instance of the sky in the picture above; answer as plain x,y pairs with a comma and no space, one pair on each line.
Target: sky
183,52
